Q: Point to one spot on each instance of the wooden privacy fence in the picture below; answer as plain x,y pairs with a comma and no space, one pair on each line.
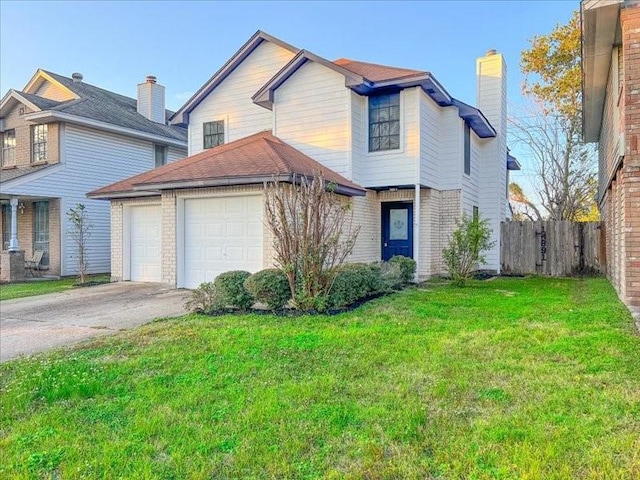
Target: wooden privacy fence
556,248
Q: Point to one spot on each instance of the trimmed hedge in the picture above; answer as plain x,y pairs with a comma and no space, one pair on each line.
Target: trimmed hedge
353,282
407,266
269,286
230,290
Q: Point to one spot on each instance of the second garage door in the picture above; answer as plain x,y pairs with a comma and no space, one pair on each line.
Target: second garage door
145,243
221,234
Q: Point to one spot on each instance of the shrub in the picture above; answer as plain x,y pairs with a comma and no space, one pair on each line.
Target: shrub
407,267
391,276
230,290
269,286
353,281
203,299
465,250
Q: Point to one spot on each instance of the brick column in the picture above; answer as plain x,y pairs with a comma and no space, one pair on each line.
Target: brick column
629,175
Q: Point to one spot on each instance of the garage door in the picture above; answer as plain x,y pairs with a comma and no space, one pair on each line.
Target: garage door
221,234
145,243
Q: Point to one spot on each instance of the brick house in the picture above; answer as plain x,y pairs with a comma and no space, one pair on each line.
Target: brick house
409,157
611,117
62,137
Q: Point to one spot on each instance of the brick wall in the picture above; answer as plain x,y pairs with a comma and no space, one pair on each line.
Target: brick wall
439,213
624,207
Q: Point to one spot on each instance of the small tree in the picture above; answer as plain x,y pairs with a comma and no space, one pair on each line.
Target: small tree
313,234
466,247
79,232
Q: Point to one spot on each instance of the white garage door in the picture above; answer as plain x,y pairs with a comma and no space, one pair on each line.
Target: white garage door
145,243
221,234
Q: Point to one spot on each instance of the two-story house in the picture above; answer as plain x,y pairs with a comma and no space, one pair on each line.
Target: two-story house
611,95
412,158
62,137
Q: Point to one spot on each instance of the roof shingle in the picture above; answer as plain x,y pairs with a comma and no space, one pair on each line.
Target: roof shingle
102,105
375,72
251,159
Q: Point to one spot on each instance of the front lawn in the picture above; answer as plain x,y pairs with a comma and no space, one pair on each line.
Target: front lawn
9,291
509,378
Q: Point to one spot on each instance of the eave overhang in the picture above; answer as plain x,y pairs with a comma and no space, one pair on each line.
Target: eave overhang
181,117
475,119
512,162
48,116
600,27
243,180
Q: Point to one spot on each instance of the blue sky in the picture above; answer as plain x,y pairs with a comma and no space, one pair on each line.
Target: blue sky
116,44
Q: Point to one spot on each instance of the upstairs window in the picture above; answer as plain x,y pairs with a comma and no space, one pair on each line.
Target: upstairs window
160,155
38,143
213,133
467,149
384,122
9,148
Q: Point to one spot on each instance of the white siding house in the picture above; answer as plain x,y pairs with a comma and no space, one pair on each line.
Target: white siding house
83,153
393,139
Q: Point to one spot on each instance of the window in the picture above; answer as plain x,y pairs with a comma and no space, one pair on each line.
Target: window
213,134
467,149
39,143
41,229
476,213
9,148
161,155
384,122
6,226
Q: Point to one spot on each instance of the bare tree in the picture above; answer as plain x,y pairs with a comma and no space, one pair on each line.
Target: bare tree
313,234
563,168
80,232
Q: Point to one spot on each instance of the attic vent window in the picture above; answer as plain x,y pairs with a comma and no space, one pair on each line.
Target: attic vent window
213,133
21,111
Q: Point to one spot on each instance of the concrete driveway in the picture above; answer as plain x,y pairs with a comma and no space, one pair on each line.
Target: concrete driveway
35,324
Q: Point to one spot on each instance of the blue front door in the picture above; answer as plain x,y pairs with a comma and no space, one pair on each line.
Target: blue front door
397,230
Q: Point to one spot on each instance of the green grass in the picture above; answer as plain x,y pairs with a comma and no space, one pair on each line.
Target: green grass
10,291
511,378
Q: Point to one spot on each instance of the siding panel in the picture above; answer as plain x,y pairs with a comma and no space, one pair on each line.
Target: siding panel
231,100
92,159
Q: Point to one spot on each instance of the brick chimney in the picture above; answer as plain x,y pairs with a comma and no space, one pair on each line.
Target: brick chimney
151,100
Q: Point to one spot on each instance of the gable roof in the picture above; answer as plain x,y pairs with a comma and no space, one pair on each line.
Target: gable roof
255,159
365,78
181,117
93,103
375,72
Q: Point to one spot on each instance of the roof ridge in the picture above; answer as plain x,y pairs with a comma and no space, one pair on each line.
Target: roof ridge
351,60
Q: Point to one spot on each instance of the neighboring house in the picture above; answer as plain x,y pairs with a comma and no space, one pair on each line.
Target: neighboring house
611,95
412,157
61,138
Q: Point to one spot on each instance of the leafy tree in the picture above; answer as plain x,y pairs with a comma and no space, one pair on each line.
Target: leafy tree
550,127
523,208
79,232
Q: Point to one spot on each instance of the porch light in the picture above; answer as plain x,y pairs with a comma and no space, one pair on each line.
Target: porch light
21,207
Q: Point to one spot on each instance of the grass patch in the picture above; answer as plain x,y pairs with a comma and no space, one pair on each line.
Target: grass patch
513,378
10,291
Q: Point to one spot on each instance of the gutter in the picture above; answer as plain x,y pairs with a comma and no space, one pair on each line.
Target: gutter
75,119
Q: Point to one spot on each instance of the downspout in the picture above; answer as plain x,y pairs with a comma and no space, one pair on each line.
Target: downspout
416,201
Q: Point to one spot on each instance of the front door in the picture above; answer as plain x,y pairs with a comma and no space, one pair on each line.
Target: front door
397,230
